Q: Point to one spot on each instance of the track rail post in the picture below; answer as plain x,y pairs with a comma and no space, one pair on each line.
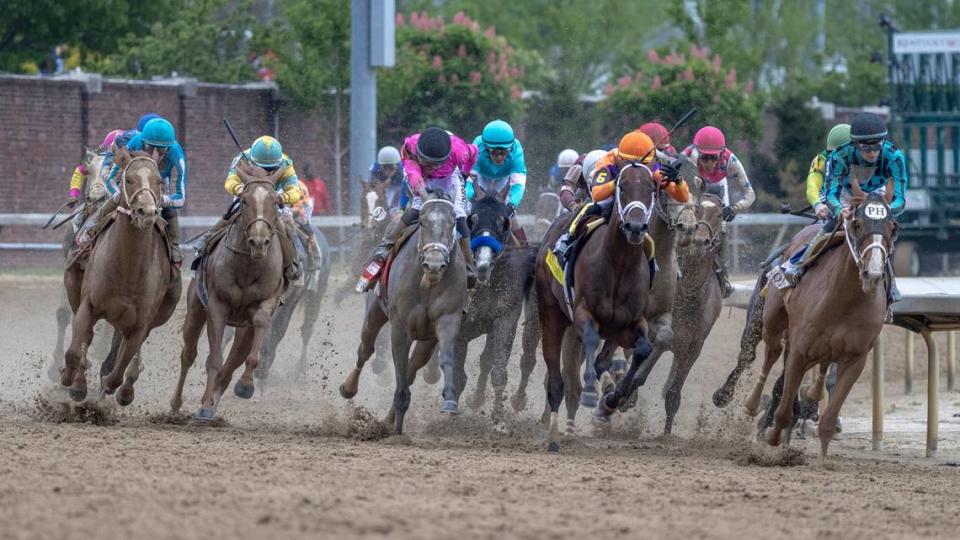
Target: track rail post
876,382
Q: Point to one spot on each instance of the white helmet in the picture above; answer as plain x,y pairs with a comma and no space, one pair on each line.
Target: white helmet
388,155
567,157
590,161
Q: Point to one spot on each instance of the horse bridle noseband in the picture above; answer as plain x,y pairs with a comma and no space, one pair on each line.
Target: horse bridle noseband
857,254
271,224
123,187
444,249
632,205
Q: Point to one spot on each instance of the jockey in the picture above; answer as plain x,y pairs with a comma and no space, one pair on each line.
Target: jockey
500,171
96,188
558,171
634,147
717,166
838,136
872,159
434,159
657,132
266,153
302,210
575,187
388,169
159,139
122,139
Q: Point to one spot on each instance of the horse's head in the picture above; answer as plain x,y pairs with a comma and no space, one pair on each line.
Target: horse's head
141,187
634,196
870,234
489,231
709,211
375,202
437,230
258,210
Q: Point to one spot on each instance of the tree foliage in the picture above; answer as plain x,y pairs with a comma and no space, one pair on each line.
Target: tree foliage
456,75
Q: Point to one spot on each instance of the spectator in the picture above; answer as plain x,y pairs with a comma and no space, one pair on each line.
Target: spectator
318,188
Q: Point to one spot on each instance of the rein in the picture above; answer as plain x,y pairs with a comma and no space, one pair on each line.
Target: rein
858,255
622,211
123,188
444,249
247,224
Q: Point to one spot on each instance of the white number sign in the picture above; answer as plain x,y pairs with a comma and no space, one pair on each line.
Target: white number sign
875,211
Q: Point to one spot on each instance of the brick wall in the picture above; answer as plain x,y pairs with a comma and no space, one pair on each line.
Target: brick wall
42,129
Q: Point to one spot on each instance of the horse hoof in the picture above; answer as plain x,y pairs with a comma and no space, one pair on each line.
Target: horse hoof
588,399
77,394
124,397
600,417
204,415
519,402
553,448
243,391
449,407
618,365
347,393
721,398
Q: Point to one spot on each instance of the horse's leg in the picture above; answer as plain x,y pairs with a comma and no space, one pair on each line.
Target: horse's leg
216,321
110,360
682,363
261,322
311,313
642,349
448,326
793,372
528,361
422,351
590,338
380,351
815,392
372,323
74,373
460,370
192,326
63,320
751,336
661,328
240,349
571,356
847,374
129,348
275,332
773,331
551,341
400,345
503,335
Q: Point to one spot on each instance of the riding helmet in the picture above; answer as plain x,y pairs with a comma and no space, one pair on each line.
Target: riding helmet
158,132
709,140
867,126
433,145
266,152
142,122
567,158
388,155
636,145
657,132
838,136
497,134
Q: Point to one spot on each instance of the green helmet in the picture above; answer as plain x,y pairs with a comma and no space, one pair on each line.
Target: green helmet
266,152
158,132
838,136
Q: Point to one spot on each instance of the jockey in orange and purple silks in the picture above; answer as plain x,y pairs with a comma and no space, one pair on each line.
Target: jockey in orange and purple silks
95,189
434,160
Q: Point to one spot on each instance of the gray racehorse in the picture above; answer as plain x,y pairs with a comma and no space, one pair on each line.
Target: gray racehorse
426,294
505,276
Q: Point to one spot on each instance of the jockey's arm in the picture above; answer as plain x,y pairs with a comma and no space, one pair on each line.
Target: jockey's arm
518,186
815,180
836,176
602,185
233,184
178,178
289,185
678,191
469,188
736,173
568,188
110,182
76,181
897,166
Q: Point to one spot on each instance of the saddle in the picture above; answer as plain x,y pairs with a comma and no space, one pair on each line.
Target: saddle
381,287
798,247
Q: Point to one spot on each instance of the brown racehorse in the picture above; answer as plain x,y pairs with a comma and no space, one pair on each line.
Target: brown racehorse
129,280
244,278
834,314
611,284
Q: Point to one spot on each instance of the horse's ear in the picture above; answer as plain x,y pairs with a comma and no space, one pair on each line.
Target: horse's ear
277,174
472,220
244,171
506,223
888,195
121,157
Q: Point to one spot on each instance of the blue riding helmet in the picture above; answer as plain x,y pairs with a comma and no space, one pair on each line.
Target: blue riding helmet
497,134
158,132
266,152
142,122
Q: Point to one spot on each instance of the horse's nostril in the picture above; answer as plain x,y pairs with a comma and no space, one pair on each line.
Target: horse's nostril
443,267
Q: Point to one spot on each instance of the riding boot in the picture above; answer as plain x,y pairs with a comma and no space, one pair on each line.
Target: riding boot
173,235
566,242
292,268
893,293
471,265
200,245
720,268
371,270
96,223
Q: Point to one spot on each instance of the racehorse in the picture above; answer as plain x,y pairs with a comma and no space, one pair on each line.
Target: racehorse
697,303
833,315
505,276
239,283
426,290
612,285
547,209
310,294
128,280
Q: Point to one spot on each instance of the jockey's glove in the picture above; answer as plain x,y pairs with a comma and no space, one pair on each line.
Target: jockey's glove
729,213
671,171
511,210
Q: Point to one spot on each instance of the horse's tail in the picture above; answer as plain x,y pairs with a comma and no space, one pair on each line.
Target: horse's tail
531,269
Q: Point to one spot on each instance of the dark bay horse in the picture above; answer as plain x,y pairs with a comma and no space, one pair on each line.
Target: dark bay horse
128,280
834,314
612,286
426,293
243,277
505,276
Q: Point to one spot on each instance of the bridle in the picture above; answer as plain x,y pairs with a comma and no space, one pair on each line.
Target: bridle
272,225
443,248
714,237
622,210
858,254
123,188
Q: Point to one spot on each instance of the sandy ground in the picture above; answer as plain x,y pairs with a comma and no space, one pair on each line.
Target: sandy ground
300,461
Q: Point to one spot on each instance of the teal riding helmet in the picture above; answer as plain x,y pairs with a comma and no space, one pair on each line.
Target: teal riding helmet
266,152
497,134
158,132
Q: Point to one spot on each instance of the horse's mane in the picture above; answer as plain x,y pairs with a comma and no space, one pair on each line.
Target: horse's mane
489,201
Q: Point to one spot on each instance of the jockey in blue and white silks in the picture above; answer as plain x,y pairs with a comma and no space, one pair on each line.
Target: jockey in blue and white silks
500,170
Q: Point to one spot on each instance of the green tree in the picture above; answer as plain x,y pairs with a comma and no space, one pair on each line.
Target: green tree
455,74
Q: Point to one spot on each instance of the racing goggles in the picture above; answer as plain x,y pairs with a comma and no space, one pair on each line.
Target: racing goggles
498,152
873,145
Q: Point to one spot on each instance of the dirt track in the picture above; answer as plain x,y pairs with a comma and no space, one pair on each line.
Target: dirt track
301,462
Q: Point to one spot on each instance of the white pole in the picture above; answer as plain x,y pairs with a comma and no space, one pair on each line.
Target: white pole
933,393
877,387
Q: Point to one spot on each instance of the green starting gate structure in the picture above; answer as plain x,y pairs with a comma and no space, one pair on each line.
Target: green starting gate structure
924,77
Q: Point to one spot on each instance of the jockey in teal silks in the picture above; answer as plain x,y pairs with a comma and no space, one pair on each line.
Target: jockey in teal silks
500,171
